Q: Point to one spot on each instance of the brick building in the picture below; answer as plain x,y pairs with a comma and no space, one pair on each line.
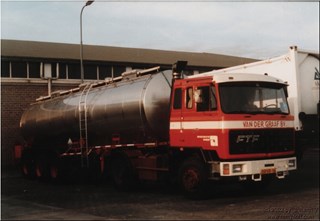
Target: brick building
27,66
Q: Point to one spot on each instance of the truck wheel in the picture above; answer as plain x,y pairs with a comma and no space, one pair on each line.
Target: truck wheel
122,172
40,169
54,167
193,179
54,172
27,165
94,172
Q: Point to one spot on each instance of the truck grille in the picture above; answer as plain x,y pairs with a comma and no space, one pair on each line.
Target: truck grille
261,141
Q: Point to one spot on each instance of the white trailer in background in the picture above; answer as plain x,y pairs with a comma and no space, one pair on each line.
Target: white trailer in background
301,70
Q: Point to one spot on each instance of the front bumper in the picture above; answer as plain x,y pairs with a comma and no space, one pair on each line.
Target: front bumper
254,169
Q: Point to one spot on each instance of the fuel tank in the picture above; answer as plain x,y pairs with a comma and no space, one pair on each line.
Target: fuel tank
134,109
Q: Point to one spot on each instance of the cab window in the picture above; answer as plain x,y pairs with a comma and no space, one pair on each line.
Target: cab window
189,98
205,98
177,100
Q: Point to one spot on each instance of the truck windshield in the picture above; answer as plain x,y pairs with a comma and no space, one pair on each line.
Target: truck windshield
253,98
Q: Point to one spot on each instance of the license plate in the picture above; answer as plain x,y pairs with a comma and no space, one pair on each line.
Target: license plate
268,171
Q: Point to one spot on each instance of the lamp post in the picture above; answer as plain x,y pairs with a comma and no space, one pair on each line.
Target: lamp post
81,46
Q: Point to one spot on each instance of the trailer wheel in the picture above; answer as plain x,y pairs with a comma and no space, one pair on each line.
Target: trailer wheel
27,165
54,167
40,169
122,172
95,172
193,178
54,172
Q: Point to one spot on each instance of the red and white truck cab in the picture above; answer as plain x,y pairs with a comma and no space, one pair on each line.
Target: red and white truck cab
242,120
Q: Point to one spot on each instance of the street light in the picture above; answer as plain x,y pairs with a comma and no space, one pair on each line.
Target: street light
81,46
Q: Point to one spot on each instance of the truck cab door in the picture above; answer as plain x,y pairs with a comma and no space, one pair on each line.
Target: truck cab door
193,111
201,118
176,118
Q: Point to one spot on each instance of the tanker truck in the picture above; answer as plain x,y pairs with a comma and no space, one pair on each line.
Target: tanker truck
159,125
300,69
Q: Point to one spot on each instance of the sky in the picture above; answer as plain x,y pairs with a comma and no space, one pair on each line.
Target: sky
252,29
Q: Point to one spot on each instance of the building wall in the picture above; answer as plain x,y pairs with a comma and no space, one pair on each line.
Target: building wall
15,98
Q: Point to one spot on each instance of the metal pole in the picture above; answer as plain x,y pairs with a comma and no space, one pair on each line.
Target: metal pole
81,45
81,49
49,86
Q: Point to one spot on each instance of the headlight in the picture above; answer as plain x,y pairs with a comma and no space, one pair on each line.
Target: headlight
292,163
237,168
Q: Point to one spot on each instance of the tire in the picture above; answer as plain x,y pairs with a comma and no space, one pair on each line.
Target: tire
123,175
54,168
94,170
27,165
193,179
42,170
42,166
54,172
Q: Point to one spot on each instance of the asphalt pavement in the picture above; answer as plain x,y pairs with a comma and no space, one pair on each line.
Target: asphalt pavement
294,198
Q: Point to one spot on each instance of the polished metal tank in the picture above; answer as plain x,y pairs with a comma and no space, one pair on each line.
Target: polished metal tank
135,109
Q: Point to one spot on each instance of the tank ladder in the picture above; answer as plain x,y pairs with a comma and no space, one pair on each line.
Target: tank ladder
83,126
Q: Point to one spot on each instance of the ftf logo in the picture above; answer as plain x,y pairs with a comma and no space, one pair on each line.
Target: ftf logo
247,138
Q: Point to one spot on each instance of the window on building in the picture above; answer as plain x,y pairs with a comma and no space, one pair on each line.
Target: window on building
62,71
90,72
105,71
118,70
19,69
139,67
49,70
5,68
74,71
34,69
54,69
